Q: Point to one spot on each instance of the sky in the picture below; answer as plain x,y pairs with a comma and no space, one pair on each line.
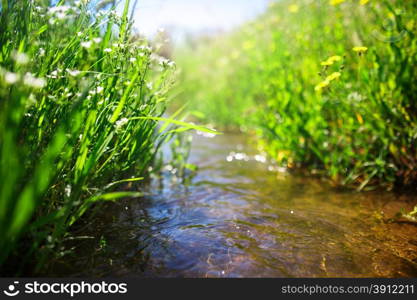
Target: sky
194,15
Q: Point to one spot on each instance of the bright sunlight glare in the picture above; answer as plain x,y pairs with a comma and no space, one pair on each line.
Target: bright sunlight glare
194,16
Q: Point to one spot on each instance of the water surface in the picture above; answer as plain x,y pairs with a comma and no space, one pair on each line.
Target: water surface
241,217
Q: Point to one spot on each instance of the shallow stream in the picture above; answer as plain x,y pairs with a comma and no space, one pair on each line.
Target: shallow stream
242,217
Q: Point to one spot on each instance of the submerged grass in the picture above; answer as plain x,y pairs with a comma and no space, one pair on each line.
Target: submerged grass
81,98
329,86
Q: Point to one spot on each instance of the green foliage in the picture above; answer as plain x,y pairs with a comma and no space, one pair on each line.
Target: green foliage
328,85
80,103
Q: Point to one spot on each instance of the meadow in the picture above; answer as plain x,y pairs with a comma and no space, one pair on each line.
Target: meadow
326,87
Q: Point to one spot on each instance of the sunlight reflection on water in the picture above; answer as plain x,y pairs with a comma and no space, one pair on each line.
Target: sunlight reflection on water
239,219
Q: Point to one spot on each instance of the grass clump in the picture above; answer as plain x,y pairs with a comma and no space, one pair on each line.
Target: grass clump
329,86
80,102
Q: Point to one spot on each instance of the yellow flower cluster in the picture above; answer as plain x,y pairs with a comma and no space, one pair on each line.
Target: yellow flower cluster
360,50
327,81
331,60
337,2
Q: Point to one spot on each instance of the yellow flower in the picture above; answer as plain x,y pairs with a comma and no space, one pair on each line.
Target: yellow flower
336,2
327,81
333,76
293,8
327,63
331,60
322,85
360,49
335,58
363,2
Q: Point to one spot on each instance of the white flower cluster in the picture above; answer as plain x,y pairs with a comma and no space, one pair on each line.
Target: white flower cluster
88,44
20,58
61,12
55,74
113,16
95,91
59,73
31,81
120,123
11,78
28,79
162,61
80,3
73,73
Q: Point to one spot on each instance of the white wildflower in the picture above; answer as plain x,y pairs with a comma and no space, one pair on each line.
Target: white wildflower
33,81
97,40
20,58
145,49
162,61
59,9
132,59
99,89
355,96
79,3
73,73
68,190
54,74
120,123
107,50
86,44
11,78
60,15
41,52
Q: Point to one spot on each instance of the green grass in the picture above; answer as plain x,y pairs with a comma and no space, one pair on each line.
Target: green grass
82,104
357,127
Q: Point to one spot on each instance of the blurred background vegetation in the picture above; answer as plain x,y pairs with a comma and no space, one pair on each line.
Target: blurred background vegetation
327,86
